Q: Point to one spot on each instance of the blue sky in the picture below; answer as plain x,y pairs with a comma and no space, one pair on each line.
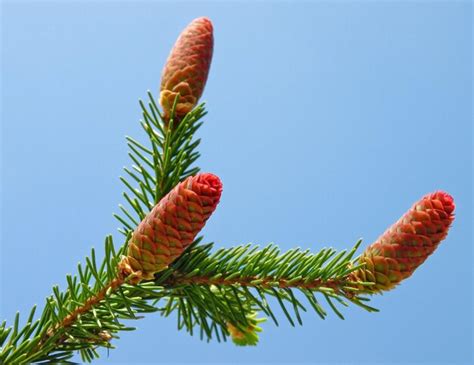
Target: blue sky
327,120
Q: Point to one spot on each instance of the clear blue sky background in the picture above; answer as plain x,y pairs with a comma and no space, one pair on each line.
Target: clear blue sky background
326,122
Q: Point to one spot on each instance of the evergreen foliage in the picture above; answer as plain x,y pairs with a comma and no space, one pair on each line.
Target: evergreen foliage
212,291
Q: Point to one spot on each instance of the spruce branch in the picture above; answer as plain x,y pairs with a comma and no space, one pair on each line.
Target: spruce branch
247,274
216,293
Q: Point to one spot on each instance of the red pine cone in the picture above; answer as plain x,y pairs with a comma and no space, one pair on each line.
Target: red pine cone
185,72
396,254
173,224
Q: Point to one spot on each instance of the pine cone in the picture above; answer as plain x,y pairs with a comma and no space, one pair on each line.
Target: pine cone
173,224
185,72
396,254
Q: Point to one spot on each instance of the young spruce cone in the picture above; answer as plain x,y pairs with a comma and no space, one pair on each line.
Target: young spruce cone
396,254
247,336
185,72
172,225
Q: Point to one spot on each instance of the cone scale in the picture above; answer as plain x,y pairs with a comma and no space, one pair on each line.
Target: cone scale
172,225
397,253
185,73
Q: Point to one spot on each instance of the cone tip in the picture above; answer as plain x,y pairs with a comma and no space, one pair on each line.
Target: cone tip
203,19
446,199
202,22
211,180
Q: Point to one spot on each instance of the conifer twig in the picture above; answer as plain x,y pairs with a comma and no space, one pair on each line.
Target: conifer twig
162,267
72,317
341,285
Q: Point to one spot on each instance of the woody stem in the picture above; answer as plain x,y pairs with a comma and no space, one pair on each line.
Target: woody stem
340,285
72,317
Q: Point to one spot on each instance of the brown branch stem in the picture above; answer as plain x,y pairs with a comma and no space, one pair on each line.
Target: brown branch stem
72,317
338,285
87,306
